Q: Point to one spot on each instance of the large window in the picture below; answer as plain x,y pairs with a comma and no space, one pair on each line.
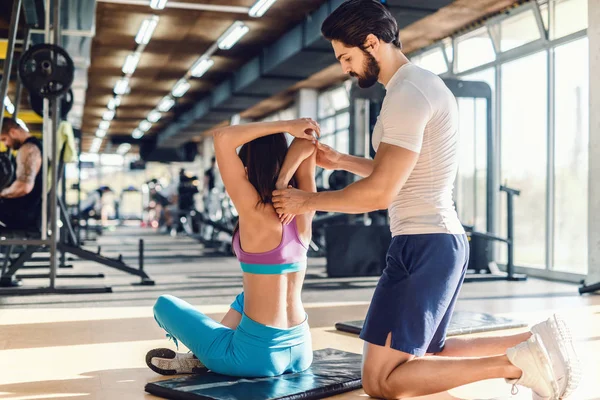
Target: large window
524,154
334,119
570,16
535,59
432,60
474,49
518,30
571,157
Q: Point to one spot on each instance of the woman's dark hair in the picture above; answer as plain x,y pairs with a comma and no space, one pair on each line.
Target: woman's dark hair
354,20
263,159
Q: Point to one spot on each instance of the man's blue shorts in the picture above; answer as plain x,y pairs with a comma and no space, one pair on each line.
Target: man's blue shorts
415,296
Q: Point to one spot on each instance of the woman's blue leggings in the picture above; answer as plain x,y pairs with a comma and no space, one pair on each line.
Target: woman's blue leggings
251,350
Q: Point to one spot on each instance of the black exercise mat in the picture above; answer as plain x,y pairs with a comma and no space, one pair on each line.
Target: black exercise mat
462,323
332,372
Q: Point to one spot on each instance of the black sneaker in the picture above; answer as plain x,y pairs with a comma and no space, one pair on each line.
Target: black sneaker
168,362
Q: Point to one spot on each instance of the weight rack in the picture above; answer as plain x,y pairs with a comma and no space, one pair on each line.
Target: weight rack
51,119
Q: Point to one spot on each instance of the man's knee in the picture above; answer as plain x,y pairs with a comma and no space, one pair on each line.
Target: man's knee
378,384
374,381
381,388
371,386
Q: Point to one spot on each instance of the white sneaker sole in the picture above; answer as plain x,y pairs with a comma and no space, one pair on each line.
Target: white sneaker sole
542,363
168,362
558,340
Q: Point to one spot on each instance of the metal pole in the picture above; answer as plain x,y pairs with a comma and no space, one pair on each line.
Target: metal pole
63,229
509,222
550,172
19,88
12,36
45,136
54,162
475,181
79,190
141,255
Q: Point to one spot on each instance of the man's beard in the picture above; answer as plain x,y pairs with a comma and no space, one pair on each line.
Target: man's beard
16,145
371,74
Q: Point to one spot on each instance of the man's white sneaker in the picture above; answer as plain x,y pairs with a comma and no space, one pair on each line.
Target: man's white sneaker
556,337
168,362
533,360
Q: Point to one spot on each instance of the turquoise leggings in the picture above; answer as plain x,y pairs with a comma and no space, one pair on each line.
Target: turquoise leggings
252,350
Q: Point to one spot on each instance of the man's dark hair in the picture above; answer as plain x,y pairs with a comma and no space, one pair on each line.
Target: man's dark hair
8,124
354,20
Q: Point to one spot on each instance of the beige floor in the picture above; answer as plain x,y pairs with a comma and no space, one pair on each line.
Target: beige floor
98,353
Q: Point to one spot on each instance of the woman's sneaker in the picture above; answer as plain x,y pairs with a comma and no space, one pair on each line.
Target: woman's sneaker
556,337
168,362
533,360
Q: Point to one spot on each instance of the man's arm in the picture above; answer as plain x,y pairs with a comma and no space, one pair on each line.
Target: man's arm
330,159
360,166
391,168
29,161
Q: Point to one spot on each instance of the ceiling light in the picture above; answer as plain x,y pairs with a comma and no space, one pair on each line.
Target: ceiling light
9,105
131,63
137,134
100,133
146,30
201,66
104,125
260,8
154,116
145,126
108,115
123,148
180,88
158,4
114,103
122,86
232,35
166,104
96,144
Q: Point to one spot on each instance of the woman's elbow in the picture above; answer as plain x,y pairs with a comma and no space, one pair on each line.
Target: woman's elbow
217,134
220,138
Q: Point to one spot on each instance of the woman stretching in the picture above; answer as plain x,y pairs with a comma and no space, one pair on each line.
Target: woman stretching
265,333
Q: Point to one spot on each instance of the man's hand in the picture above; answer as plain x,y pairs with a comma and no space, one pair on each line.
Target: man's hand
284,218
303,128
291,201
327,158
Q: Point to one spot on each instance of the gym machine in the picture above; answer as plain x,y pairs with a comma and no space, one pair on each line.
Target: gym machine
482,266
47,71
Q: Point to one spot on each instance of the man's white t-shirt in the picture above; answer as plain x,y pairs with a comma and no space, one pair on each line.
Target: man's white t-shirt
419,113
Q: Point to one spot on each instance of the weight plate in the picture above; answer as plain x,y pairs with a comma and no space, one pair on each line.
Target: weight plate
46,70
66,103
